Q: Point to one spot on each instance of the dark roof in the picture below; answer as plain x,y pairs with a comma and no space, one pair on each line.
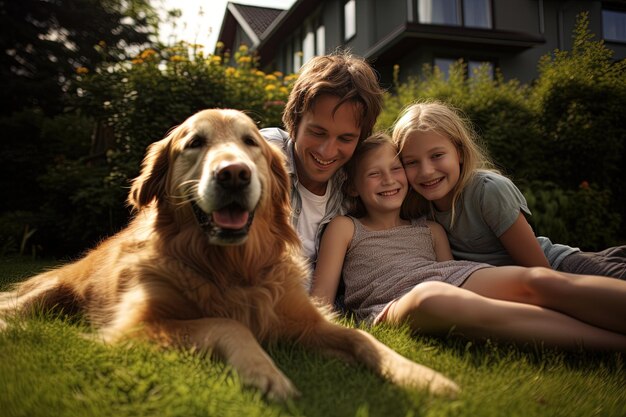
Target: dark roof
253,20
258,18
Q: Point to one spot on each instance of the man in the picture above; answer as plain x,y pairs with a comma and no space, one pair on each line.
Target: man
333,106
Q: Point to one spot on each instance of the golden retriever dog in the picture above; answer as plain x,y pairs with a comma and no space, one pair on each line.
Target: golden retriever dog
210,262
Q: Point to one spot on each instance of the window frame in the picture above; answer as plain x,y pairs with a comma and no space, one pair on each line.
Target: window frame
460,10
470,63
620,12
346,35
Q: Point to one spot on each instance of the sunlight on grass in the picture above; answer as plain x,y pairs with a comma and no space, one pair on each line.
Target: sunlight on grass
48,368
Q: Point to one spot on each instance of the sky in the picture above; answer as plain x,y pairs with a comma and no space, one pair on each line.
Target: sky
194,28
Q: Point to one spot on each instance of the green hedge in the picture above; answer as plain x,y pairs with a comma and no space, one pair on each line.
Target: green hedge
560,139
77,195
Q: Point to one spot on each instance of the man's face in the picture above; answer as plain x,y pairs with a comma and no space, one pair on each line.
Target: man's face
325,141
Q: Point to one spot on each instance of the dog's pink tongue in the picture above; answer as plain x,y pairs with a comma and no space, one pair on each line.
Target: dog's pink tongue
229,218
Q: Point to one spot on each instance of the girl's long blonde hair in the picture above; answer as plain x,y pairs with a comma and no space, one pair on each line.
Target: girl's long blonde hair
435,116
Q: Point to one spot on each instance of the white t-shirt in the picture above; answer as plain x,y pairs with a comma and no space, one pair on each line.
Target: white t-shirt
313,209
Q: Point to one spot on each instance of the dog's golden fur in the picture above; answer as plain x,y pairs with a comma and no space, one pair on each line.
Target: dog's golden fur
170,279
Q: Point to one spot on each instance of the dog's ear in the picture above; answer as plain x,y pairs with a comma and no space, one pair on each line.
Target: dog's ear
151,182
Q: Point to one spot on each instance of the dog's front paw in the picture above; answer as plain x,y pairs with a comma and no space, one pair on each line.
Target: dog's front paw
408,373
273,383
440,385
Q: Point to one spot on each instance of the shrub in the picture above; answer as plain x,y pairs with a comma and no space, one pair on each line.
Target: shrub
579,217
142,99
580,98
18,233
499,111
22,160
565,129
89,154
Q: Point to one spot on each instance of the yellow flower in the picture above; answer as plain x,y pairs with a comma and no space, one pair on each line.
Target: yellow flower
230,71
278,74
270,77
284,90
259,73
177,58
147,53
270,87
137,61
216,59
244,60
219,45
82,70
243,48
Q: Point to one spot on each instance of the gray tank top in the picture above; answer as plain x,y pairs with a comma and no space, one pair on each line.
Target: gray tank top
381,266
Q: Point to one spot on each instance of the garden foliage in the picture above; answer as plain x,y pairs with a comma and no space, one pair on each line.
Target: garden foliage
81,186
560,139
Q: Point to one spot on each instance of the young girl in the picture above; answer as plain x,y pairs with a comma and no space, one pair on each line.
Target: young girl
482,211
396,270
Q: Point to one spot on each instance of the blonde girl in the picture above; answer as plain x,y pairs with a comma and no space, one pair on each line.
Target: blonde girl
483,212
398,270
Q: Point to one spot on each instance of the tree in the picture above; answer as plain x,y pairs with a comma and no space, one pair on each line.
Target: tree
44,42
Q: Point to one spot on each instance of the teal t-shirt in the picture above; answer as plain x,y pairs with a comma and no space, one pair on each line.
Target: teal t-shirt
488,207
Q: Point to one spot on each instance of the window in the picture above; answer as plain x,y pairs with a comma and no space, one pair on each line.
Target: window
297,51
289,58
473,66
443,12
349,19
444,64
614,25
308,41
308,44
469,13
320,40
477,14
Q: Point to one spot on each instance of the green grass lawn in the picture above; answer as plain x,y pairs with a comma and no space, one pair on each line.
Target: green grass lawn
48,369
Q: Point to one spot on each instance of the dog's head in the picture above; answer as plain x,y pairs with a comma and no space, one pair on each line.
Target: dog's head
218,166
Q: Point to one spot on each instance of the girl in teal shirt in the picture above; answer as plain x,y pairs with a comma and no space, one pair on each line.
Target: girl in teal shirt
483,212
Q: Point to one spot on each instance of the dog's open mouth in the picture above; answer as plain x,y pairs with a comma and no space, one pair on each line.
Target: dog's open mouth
228,223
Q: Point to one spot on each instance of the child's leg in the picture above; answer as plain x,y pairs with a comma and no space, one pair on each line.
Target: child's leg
599,301
610,262
436,307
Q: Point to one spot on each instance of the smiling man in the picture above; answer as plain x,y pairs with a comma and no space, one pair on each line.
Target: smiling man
333,106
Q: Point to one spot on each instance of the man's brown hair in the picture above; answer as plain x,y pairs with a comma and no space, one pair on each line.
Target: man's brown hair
342,75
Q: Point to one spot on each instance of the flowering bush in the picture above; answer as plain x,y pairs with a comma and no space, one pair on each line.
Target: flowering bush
142,99
133,104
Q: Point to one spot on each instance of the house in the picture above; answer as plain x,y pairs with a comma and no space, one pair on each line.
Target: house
510,35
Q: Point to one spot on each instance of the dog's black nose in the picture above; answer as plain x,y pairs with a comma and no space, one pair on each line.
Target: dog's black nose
233,175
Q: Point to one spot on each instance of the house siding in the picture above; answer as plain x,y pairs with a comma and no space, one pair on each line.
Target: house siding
387,34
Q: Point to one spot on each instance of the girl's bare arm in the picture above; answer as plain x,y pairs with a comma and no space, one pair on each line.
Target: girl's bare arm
520,242
333,247
440,242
